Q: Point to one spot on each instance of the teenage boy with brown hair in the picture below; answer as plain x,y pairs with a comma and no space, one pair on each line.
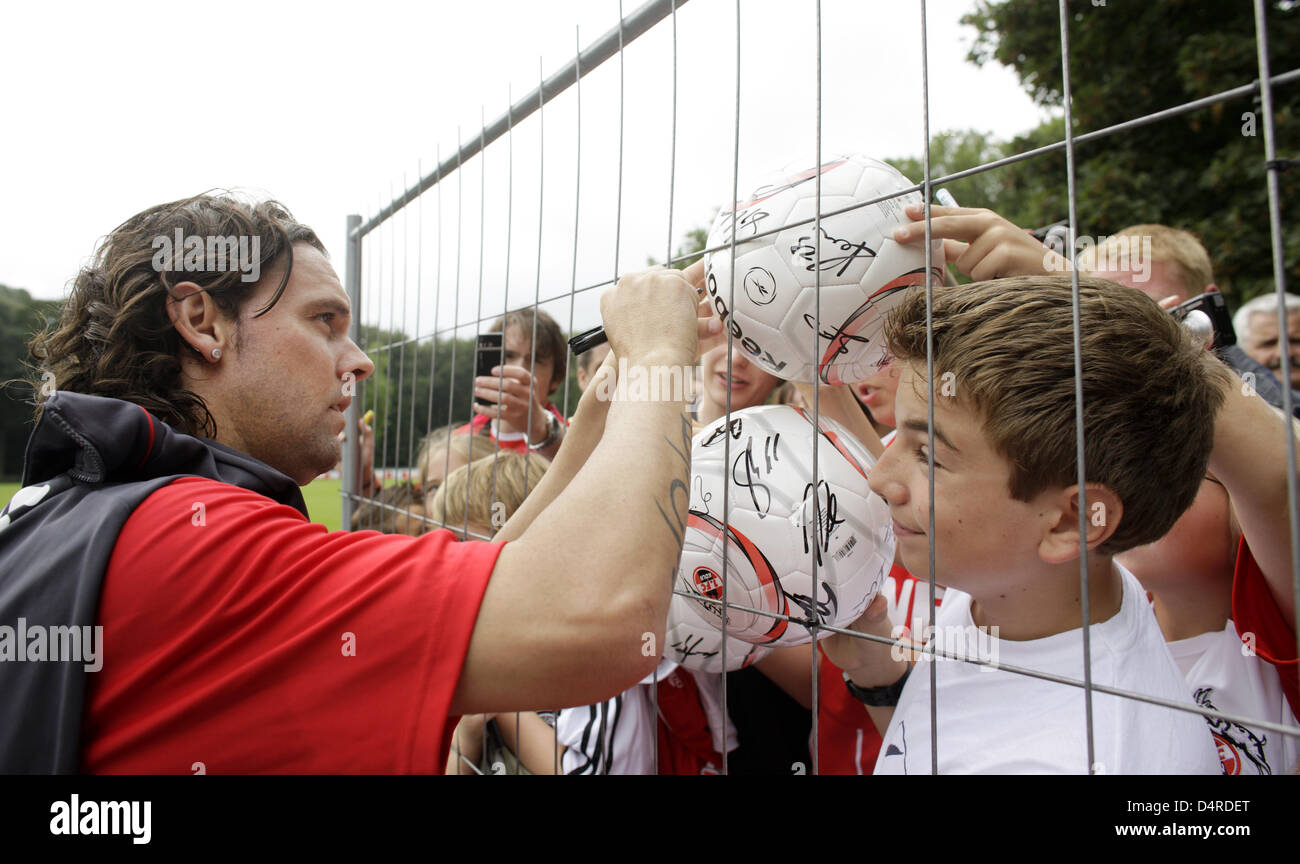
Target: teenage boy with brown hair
1007,526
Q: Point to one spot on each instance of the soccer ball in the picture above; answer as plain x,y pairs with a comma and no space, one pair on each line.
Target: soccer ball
695,642
864,273
779,521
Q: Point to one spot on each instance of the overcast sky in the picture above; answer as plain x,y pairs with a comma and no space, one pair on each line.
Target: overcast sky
332,107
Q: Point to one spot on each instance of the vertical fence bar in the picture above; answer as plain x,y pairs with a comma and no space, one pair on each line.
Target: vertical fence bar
577,191
672,147
1072,233
505,300
375,296
433,353
537,293
618,210
537,288
573,282
479,308
349,474
1279,278
415,364
387,415
929,377
726,419
401,348
668,257
455,312
478,317
816,406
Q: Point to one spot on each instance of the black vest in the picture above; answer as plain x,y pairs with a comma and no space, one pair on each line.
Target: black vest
90,462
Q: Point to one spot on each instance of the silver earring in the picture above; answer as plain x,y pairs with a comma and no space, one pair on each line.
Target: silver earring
216,353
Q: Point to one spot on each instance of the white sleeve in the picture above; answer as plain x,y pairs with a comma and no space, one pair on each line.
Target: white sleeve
587,734
613,737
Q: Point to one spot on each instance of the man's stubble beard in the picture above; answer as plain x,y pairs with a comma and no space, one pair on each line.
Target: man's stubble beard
292,443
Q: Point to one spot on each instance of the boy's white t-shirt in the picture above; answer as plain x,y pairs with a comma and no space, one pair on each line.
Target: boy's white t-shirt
994,721
1225,675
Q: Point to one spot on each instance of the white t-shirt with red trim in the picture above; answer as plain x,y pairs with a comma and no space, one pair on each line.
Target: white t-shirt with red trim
847,739
1227,674
1255,611
516,441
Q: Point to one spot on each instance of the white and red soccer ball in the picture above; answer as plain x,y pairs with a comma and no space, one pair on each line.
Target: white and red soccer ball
778,521
864,272
694,640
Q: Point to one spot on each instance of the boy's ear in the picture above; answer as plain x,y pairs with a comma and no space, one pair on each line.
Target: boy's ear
1104,511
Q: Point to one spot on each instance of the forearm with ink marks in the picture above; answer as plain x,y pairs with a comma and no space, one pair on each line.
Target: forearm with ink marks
624,511
677,497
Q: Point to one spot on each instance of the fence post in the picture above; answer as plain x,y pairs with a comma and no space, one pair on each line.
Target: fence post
352,284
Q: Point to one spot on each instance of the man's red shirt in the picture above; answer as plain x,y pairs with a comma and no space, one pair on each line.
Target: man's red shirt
239,637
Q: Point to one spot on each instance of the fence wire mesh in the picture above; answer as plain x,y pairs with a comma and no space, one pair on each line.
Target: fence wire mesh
403,260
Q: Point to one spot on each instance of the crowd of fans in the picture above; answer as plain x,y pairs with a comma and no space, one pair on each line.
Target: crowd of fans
1188,574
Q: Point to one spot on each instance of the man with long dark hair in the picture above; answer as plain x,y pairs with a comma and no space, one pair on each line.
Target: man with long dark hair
184,403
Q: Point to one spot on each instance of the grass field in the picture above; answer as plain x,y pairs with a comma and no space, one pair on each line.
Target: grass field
323,504
322,497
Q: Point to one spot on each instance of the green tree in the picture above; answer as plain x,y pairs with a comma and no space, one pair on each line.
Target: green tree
695,240
1202,171
411,392
20,317
955,151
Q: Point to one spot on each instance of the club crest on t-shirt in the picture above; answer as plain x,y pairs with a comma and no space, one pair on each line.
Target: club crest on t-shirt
1235,743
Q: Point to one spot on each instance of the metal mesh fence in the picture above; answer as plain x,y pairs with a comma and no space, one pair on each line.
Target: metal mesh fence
441,260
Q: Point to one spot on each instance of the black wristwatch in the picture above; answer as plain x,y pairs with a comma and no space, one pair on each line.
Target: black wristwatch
878,697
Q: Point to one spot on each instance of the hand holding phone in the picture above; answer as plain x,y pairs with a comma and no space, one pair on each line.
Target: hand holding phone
489,352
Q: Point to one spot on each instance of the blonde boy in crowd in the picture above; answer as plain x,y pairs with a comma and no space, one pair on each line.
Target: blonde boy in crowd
478,498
